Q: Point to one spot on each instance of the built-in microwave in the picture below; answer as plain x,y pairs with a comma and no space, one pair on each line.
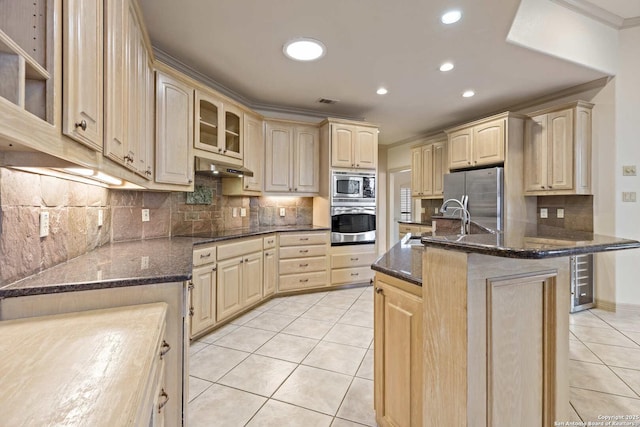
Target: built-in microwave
353,187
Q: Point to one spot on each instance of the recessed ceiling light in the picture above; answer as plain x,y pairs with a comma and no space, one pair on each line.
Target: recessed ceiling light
382,91
468,93
451,17
447,66
304,49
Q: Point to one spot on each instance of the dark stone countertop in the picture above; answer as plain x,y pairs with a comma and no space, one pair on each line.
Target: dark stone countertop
422,223
133,263
531,241
403,261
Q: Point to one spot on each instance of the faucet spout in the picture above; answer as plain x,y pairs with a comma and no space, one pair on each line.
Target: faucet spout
465,216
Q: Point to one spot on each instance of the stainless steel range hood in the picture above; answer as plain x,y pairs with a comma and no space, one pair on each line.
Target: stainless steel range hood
221,169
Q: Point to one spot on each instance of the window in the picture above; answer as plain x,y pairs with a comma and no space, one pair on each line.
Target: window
405,203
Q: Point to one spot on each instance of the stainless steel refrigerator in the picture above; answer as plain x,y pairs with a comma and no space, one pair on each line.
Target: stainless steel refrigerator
484,192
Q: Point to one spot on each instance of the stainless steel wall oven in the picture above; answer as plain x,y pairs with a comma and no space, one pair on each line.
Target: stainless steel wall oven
353,208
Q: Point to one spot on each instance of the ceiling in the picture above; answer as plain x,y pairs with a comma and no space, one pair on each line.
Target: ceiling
370,43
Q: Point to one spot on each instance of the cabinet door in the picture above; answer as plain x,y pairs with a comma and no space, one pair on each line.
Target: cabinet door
203,298
270,272
427,170
252,276
253,151
535,154
460,149
560,137
398,357
278,158
488,143
82,52
233,132
306,167
229,288
365,149
116,81
174,131
439,167
342,140
208,131
416,172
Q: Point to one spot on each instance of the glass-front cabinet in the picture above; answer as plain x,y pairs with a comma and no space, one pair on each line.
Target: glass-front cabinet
219,126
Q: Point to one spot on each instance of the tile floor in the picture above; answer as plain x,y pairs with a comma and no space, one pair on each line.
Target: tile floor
307,360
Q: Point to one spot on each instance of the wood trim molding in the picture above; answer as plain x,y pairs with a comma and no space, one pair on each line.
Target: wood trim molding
592,11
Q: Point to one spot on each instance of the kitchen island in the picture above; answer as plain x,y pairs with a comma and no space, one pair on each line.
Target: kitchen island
494,336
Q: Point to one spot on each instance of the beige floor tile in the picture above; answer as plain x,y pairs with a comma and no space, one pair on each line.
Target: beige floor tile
597,377
350,335
288,347
358,403
290,308
314,389
572,337
366,367
635,336
245,318
196,346
338,301
245,339
591,404
324,313
573,415
586,318
309,299
622,357
339,422
213,362
630,376
258,374
578,351
270,321
366,306
625,325
218,333
223,406
269,304
280,414
602,336
310,328
197,386
334,357
357,318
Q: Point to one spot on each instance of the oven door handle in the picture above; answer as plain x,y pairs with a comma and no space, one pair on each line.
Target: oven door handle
338,210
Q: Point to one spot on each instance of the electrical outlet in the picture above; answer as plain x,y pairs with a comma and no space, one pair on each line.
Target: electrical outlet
629,170
282,211
44,224
544,213
560,213
435,211
144,262
243,212
100,217
145,215
629,196
234,212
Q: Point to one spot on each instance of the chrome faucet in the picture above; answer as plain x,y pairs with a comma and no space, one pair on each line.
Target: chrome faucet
465,215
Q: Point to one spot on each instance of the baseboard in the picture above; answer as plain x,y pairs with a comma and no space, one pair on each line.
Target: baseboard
618,307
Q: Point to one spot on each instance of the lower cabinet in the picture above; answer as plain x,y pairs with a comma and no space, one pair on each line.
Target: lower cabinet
398,352
414,229
352,264
303,260
270,266
203,298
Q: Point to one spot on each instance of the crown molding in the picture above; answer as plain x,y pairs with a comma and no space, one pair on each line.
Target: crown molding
631,22
599,14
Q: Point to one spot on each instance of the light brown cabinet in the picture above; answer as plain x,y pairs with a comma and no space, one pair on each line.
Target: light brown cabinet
352,264
292,158
203,292
303,260
479,144
219,128
414,229
428,166
354,146
270,266
82,52
557,153
174,130
398,352
253,158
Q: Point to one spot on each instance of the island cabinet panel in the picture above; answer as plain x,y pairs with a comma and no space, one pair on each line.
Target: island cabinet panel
398,354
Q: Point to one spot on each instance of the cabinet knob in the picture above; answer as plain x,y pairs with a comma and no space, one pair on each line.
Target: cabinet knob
379,290
165,399
357,165
246,186
219,150
82,125
241,261
224,151
214,268
148,171
551,186
246,260
542,186
164,349
191,286
128,158
190,180
468,163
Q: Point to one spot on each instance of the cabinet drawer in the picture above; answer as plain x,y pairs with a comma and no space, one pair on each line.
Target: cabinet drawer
351,275
204,255
231,250
302,251
293,239
301,281
303,265
353,260
269,242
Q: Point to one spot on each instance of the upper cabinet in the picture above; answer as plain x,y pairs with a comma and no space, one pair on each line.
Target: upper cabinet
82,41
219,128
479,144
428,166
354,146
253,160
174,130
292,158
557,152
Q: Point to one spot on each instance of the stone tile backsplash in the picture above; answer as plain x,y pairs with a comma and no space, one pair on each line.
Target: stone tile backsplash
578,212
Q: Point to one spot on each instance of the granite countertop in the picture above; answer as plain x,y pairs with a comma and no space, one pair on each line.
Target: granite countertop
133,263
423,223
403,261
531,241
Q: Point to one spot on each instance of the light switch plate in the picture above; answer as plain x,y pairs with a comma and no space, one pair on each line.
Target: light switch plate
629,170
44,224
243,212
145,215
560,213
629,196
100,217
282,211
544,213
234,212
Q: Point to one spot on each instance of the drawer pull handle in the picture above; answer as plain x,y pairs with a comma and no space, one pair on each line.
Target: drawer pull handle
205,256
165,396
355,274
304,280
82,125
304,265
355,259
379,290
304,239
304,251
164,348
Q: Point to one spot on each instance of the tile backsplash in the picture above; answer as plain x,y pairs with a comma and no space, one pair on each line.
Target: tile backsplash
578,212
74,208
